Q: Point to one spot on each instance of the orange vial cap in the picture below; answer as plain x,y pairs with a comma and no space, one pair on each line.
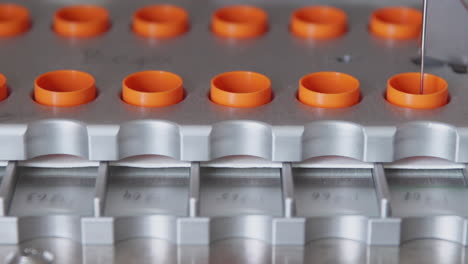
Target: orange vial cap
14,20
396,22
240,21
81,21
160,21
64,88
318,22
329,90
241,89
404,90
152,89
3,87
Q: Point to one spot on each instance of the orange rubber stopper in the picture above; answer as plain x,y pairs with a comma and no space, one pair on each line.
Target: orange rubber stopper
160,21
404,90
14,20
240,21
152,89
3,87
396,22
319,22
241,89
329,90
64,88
81,21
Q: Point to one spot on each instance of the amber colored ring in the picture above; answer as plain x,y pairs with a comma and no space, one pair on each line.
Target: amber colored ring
329,90
3,87
241,89
14,20
240,21
404,90
64,88
396,22
160,21
152,89
81,21
319,22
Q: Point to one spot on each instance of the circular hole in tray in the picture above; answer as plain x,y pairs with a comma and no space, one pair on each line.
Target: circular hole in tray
404,90
160,21
64,88
152,89
81,21
396,22
329,90
14,20
240,21
241,89
319,22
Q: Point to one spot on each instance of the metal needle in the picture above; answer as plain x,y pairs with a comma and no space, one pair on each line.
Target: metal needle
423,45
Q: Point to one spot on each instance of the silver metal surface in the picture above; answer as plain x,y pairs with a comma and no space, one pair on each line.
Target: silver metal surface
277,205
447,38
243,202
240,251
45,191
31,256
7,183
268,212
330,203
382,191
288,191
194,190
101,189
430,203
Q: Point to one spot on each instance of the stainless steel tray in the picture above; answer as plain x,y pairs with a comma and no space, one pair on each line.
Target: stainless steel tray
197,129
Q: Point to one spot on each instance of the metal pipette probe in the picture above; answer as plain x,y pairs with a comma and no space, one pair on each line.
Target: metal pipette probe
423,45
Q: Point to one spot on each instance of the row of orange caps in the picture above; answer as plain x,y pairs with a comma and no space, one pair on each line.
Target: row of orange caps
241,89
240,21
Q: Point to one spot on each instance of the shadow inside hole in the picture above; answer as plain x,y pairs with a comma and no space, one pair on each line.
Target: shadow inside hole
459,68
347,58
428,62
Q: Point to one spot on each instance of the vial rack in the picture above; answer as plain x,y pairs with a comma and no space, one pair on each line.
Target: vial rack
197,129
99,203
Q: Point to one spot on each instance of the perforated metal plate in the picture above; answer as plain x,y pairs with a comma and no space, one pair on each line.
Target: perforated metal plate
197,129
